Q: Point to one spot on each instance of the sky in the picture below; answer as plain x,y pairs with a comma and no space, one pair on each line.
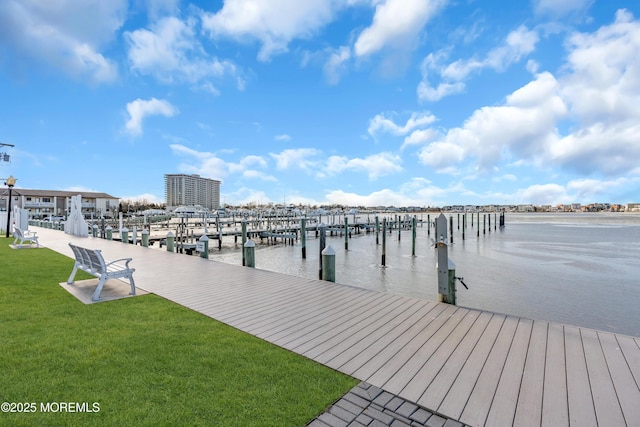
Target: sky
352,102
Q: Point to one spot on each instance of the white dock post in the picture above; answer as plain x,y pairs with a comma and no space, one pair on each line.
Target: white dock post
329,264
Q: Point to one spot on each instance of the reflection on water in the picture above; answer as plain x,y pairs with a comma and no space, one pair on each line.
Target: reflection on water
580,269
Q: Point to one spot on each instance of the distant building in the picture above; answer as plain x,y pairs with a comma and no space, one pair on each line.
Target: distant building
191,190
633,207
42,204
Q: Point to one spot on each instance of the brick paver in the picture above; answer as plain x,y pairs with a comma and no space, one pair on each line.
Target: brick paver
366,405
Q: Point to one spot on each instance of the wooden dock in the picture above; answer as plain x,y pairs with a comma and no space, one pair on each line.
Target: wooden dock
481,368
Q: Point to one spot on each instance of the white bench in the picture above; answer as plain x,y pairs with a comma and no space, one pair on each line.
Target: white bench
92,261
24,236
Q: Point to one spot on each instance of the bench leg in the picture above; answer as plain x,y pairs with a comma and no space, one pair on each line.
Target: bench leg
133,285
73,274
96,294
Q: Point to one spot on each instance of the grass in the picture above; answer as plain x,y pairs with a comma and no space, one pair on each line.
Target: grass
144,360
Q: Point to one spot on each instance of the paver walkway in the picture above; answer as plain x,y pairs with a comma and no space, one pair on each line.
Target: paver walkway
477,367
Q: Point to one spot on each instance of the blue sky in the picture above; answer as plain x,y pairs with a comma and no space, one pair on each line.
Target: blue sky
357,102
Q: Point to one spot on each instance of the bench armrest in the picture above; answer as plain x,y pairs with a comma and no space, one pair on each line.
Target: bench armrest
127,261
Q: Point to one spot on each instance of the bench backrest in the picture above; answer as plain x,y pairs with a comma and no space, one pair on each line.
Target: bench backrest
17,232
90,259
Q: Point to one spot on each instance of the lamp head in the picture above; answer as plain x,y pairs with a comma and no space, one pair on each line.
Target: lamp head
11,181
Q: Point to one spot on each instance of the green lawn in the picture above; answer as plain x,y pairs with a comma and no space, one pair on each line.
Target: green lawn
143,360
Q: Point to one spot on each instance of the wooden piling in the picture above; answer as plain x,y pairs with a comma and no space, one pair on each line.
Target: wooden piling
346,234
323,239
244,240
384,242
303,236
464,224
413,236
451,228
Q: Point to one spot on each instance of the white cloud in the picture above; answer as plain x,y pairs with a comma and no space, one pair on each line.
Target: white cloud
335,66
419,137
543,194
244,196
396,24
601,84
432,94
151,198
171,52
274,24
558,9
211,165
140,108
602,79
415,192
282,137
66,35
380,123
524,127
300,158
518,44
376,165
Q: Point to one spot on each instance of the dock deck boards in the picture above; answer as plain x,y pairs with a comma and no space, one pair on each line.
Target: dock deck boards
478,367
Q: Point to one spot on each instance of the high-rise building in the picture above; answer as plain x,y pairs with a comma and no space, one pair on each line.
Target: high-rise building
191,190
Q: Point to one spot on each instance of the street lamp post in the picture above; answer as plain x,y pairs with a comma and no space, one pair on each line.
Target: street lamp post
11,181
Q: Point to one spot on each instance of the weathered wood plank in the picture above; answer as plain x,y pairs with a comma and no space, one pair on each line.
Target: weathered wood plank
362,354
480,392
441,370
607,406
631,351
626,387
333,334
581,409
370,334
424,328
296,334
360,330
503,407
529,407
555,407
456,327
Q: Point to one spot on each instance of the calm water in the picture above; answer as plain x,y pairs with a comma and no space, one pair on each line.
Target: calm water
580,268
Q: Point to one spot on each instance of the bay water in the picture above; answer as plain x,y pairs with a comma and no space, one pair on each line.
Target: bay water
580,269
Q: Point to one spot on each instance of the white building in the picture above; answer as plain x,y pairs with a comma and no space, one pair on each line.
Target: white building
191,190
42,204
